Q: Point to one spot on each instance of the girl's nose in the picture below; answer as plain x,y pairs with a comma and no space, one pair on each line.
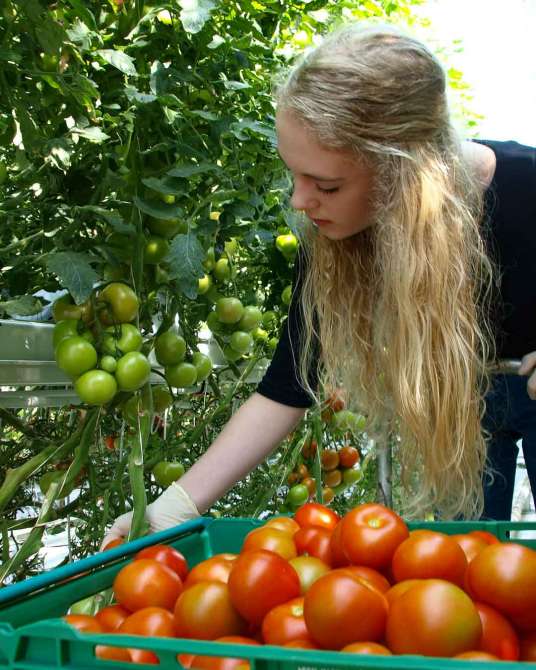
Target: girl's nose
303,198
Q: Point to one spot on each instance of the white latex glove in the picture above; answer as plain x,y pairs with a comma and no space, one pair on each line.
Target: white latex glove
170,509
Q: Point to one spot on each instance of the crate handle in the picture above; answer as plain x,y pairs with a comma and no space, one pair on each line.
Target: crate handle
51,578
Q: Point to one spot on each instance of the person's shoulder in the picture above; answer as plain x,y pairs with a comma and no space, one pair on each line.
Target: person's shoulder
509,149
514,161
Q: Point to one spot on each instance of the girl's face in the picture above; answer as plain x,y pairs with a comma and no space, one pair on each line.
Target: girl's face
329,186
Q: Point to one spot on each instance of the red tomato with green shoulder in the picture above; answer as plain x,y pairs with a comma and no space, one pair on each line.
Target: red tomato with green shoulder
259,581
340,608
285,623
504,576
205,611
433,618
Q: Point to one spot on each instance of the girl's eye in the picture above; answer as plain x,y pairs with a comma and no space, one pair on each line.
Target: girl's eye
328,191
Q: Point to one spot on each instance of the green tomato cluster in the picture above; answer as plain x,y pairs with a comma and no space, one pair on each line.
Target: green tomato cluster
170,351
105,359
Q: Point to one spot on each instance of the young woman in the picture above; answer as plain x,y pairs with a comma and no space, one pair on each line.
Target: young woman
395,288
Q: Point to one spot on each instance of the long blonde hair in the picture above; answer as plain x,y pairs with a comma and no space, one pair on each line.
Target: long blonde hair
401,308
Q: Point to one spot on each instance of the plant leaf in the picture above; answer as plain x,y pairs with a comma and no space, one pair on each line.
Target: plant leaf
195,13
120,60
74,273
185,259
160,210
26,305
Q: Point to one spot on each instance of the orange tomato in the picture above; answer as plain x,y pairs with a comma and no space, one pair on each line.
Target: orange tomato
367,648
149,621
429,555
271,539
84,623
223,662
284,523
217,568
147,583
285,623
111,617
498,635
471,544
315,514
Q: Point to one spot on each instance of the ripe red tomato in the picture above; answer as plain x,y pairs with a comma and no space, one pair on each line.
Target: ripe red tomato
259,581
498,635
471,544
433,618
111,617
477,656
314,541
528,647
285,623
338,557
371,533
315,514
204,611
284,523
429,555
309,569
504,576
367,648
348,456
216,568
370,575
330,459
271,539
108,653
524,622
150,622
166,555
301,644
399,589
489,538
143,656
340,608
84,623
147,583
223,662
113,543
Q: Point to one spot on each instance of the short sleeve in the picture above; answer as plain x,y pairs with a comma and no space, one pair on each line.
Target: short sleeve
281,380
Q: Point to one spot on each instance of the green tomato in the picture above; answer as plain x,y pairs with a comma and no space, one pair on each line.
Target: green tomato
161,276
121,304
287,245
241,342
203,365
63,330
210,260
286,295
64,308
156,249
297,495
229,310
166,227
121,339
162,398
272,343
170,348
260,335
52,477
251,318
181,375
345,420
133,371
75,355
108,364
167,472
230,354
231,246
164,17
3,173
222,271
168,198
96,387
351,476
204,284
269,320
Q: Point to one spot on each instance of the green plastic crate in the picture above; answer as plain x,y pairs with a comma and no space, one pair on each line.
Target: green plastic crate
33,637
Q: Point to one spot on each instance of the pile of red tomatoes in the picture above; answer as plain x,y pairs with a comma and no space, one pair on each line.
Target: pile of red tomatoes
361,584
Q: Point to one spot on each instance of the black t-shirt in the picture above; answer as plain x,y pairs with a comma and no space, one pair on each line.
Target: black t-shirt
510,232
